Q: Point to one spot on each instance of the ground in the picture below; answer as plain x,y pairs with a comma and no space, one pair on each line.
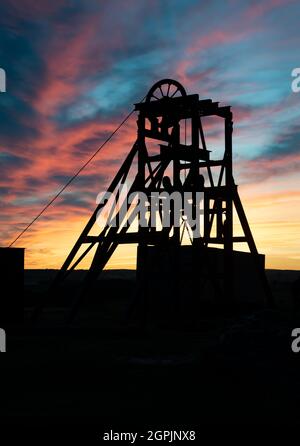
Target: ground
232,366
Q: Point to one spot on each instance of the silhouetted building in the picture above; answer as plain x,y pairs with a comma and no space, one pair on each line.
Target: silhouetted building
12,284
180,279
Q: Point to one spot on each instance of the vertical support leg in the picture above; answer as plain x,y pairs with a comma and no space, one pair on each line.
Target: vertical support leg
253,250
228,225
176,184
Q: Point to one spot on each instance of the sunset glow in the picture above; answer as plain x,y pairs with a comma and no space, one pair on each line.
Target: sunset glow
74,73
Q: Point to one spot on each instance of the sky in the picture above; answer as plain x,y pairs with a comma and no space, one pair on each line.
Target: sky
74,68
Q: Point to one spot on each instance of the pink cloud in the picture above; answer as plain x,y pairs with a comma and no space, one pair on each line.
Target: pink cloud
64,64
217,37
261,8
260,169
32,9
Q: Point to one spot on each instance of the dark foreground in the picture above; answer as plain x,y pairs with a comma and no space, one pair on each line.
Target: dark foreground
229,367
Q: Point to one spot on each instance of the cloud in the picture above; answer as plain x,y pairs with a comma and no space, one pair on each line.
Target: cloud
75,68
258,9
286,144
280,159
